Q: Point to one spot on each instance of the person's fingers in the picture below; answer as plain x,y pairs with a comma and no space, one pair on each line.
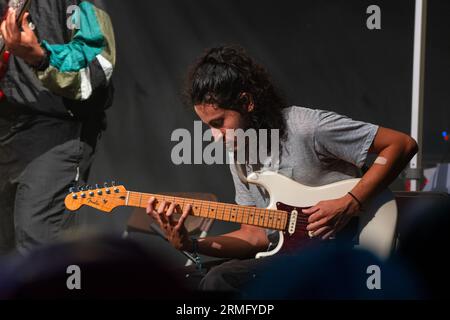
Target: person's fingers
169,214
25,25
162,207
158,220
4,32
170,209
329,234
153,213
150,206
310,210
321,231
317,225
11,26
186,210
316,216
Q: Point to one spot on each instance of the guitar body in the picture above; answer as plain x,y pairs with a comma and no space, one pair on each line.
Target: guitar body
376,225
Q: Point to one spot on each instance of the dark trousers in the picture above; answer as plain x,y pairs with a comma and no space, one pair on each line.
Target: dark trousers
40,159
225,278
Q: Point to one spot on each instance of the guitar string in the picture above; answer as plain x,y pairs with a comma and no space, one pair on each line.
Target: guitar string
273,214
218,205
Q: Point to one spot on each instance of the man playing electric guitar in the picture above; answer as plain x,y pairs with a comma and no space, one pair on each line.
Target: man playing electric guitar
228,91
56,87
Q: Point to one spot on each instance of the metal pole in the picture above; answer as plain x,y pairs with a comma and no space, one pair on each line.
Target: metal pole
416,171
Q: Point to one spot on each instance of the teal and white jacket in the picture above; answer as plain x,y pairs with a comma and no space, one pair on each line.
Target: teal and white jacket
79,37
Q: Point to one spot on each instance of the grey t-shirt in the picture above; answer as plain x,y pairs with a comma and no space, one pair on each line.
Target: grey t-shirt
322,147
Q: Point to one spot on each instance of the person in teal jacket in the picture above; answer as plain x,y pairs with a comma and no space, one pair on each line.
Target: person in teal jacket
57,85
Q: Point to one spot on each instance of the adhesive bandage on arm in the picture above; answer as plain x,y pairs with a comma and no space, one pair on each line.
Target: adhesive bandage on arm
381,161
216,246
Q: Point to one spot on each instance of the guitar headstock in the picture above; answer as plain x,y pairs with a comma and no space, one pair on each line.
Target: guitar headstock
104,199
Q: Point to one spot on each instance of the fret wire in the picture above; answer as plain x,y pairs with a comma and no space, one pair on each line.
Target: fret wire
276,220
253,210
280,221
223,211
255,216
232,209
202,209
256,213
207,212
260,221
273,220
269,224
263,217
217,212
246,215
266,218
252,216
264,222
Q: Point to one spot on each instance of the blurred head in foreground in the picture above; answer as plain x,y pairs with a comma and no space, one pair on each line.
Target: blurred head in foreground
109,267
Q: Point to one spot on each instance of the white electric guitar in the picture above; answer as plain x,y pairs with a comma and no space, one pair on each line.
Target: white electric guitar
377,223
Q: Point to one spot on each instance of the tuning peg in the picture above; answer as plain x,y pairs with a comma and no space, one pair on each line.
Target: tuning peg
88,187
108,191
116,190
97,186
74,195
81,188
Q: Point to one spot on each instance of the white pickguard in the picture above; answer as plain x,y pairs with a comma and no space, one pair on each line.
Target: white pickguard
377,224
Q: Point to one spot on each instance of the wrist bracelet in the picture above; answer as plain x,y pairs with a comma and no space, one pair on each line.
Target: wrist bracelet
357,200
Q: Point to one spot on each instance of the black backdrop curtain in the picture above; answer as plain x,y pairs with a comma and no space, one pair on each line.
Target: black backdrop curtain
319,52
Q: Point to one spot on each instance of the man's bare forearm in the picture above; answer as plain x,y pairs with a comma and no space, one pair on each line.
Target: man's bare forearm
238,244
389,164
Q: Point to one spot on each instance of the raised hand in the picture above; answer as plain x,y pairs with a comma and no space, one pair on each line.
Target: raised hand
23,44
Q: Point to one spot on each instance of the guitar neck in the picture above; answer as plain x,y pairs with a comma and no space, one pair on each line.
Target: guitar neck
270,219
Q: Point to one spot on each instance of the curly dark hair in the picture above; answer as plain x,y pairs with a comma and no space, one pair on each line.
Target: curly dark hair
221,76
